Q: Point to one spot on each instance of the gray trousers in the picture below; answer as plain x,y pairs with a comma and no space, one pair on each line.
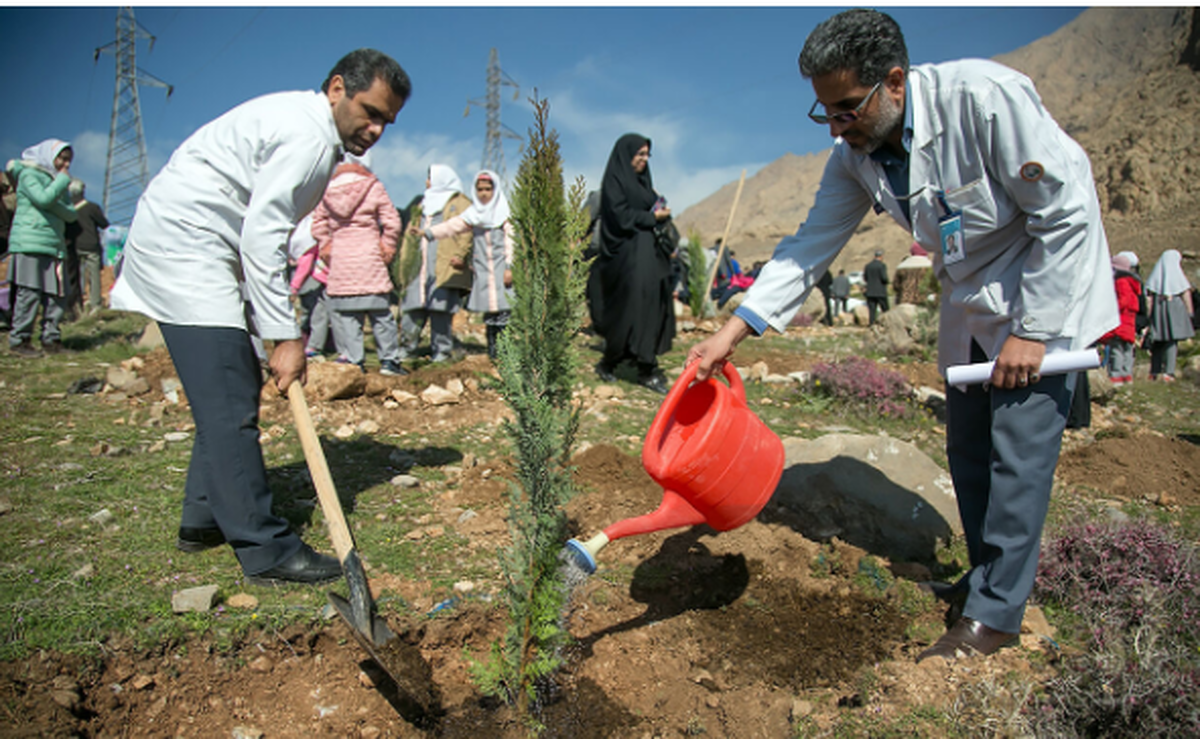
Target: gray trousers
1162,356
89,269
441,335
1120,358
227,479
1003,447
348,333
25,314
316,308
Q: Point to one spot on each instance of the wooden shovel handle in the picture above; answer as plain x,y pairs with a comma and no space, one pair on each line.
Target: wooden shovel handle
339,532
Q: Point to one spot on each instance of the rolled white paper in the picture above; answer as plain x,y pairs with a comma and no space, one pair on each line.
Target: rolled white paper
1053,364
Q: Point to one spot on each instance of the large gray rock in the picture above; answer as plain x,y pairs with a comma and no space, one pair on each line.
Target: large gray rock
875,492
151,337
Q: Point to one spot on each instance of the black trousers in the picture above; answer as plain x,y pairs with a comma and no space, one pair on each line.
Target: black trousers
227,479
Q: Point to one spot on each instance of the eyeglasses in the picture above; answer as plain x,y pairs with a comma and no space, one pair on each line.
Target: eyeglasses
846,118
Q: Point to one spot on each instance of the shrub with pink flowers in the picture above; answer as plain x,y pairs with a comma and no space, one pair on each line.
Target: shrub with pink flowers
1131,592
864,383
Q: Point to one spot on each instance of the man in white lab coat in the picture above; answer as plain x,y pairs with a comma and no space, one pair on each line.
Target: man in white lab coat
965,157
212,227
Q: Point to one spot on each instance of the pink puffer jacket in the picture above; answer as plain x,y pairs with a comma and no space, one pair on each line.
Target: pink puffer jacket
356,227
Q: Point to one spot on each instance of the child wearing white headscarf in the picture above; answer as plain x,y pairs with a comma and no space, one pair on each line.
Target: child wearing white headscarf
436,290
1171,309
492,253
37,243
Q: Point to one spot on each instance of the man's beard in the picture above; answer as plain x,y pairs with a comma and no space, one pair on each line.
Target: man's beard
889,117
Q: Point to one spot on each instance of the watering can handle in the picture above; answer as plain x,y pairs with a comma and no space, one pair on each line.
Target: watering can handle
689,374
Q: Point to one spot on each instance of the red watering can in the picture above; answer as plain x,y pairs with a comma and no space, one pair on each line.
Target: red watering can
717,462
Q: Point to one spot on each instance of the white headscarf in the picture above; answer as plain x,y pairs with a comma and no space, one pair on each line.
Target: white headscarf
1133,260
43,154
495,213
443,185
1167,277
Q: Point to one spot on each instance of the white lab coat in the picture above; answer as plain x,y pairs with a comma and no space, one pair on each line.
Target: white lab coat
220,213
1036,258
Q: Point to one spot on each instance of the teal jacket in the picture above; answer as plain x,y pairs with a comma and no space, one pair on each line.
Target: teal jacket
43,211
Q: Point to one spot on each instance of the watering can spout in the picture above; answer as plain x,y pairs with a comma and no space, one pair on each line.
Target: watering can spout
672,513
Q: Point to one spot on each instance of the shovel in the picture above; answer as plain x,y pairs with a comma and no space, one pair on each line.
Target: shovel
358,611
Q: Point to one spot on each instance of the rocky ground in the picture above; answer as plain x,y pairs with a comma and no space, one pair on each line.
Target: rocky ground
762,631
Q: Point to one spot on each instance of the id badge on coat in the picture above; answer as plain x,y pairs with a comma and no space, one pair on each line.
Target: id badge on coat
951,234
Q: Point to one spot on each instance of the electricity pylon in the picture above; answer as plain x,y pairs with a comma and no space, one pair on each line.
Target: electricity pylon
126,174
493,148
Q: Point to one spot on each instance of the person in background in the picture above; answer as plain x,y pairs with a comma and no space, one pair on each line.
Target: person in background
357,227
8,204
825,285
876,276
841,292
38,245
1171,310
1031,274
85,237
308,285
1122,340
635,273
206,257
491,253
435,292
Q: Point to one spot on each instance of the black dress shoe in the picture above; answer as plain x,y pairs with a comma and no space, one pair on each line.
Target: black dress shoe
654,383
968,637
305,566
192,540
605,373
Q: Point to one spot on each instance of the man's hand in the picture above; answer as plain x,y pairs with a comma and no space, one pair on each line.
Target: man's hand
713,351
288,364
1019,363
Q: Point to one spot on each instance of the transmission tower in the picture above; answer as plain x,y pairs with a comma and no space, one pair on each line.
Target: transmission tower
126,175
493,148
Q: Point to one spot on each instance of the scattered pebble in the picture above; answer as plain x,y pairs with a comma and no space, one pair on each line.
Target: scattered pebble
344,432
141,682
84,572
102,517
263,664
243,601
175,436
406,481
199,600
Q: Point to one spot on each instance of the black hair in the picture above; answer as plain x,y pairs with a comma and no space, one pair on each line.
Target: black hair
865,41
360,68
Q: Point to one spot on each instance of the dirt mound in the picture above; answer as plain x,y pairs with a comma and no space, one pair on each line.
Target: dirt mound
1144,466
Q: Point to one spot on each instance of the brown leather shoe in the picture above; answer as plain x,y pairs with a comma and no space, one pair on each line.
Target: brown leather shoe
968,637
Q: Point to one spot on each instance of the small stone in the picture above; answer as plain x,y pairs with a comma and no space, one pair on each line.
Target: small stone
137,387
262,665
701,676
469,461
437,395
102,517
455,386
368,426
800,709
464,586
1035,622
68,699
467,516
758,371
1164,500
405,481
415,535
246,732
365,680
102,447
176,436
604,392
141,682
133,364
243,601
712,701
390,404
402,396
344,432
157,446
84,572
199,600
435,531
369,732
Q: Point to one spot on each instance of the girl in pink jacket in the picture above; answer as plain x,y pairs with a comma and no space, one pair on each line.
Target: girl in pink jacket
356,227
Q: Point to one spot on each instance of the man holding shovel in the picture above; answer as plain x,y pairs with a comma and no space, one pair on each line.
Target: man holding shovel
206,258
964,156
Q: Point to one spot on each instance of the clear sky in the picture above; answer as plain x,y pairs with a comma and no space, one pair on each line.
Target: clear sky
715,89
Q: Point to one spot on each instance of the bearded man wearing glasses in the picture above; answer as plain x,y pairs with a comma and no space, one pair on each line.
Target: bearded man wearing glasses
964,156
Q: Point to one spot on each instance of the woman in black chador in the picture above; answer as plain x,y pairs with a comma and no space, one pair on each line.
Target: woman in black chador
633,271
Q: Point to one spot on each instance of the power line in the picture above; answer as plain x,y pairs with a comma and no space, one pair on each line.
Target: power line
493,148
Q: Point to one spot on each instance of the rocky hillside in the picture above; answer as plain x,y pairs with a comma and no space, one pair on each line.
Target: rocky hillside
1123,81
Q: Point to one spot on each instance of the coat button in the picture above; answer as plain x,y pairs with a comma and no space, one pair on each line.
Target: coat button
1027,322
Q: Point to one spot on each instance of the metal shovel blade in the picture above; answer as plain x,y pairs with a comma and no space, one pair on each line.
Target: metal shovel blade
415,695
